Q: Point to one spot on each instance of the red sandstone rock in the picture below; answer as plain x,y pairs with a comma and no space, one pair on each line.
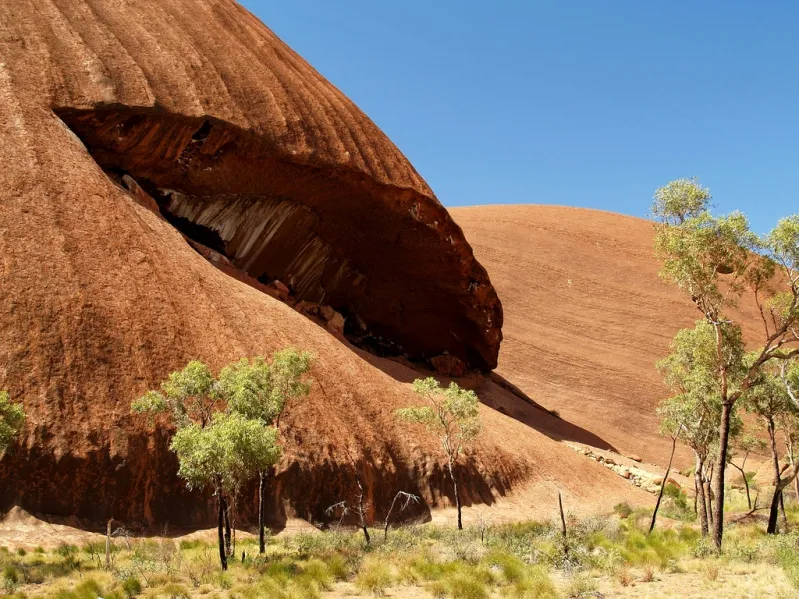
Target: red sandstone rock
449,365
272,174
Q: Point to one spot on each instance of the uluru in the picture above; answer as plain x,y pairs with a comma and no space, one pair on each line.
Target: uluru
180,187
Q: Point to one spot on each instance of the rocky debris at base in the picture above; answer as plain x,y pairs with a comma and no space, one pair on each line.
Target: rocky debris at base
332,320
648,481
449,365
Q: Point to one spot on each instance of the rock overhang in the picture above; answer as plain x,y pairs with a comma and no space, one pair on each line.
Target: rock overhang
387,257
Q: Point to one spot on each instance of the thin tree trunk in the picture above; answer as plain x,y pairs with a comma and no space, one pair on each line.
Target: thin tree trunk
261,494
782,512
457,495
746,482
775,462
663,483
709,504
108,545
361,509
772,518
227,526
220,529
563,527
233,514
718,487
771,529
699,498
789,447
746,486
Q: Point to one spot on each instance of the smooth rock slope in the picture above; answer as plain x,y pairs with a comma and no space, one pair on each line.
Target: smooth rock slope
165,164
587,316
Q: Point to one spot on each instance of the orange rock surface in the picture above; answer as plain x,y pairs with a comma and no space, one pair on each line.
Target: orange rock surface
206,111
586,315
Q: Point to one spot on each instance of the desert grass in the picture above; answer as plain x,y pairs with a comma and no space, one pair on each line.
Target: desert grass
527,560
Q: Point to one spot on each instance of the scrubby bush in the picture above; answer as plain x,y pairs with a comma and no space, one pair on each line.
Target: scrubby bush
623,510
374,576
131,586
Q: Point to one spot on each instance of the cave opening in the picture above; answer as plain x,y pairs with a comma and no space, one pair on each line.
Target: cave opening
387,269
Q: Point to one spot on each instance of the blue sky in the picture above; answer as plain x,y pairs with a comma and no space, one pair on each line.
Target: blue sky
584,103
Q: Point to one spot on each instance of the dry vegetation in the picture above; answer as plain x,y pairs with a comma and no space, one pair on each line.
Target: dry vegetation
608,556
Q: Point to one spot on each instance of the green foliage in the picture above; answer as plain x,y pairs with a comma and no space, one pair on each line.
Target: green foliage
374,576
12,419
680,200
11,578
226,452
190,396
131,586
692,371
261,390
452,414
174,591
464,587
701,249
768,398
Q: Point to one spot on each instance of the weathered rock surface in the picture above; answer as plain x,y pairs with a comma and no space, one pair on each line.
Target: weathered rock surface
587,316
122,122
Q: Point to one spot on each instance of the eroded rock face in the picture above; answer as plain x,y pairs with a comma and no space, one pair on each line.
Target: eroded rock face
142,142
389,259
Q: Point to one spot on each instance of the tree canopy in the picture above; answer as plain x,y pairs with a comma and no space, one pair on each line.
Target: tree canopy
452,413
190,395
12,419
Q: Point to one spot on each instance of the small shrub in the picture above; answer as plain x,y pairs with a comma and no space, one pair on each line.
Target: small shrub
374,577
11,578
39,549
581,585
188,544
710,570
624,576
623,510
21,552
511,567
224,581
317,571
131,586
174,591
535,585
649,574
466,587
69,555
338,567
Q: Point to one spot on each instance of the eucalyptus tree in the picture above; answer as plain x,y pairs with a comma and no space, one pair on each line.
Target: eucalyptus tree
12,419
262,391
451,414
693,414
224,436
715,260
222,454
769,400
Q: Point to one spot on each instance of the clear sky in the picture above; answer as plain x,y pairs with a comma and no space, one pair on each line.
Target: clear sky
590,103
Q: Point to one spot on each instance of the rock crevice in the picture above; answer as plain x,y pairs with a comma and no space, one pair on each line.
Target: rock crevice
389,259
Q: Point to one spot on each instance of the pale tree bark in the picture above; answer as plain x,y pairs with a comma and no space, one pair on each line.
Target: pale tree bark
718,481
700,494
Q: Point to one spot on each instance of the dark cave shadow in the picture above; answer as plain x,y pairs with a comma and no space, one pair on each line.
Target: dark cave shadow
496,392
